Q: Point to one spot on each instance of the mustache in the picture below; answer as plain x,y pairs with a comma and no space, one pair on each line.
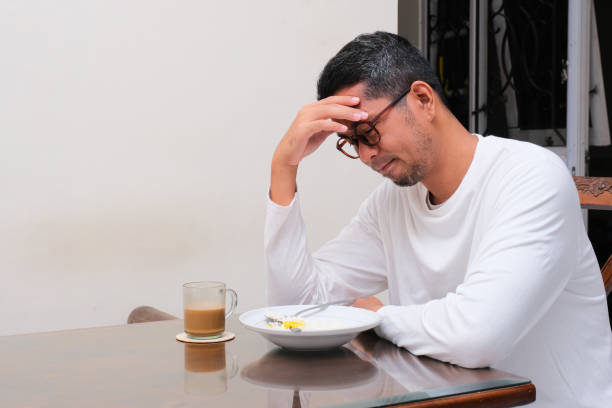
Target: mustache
379,163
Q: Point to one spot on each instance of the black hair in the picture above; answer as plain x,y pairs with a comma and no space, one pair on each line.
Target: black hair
386,62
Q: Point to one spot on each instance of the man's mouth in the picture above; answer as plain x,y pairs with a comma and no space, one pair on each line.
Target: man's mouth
384,167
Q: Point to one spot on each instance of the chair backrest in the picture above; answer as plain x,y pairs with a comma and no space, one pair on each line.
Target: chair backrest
596,194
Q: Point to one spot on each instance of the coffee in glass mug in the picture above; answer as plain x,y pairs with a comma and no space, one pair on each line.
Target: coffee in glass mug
204,307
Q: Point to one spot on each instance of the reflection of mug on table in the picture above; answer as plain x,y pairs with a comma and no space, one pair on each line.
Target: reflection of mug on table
204,306
205,369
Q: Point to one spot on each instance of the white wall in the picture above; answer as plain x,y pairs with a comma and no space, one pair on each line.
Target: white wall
135,139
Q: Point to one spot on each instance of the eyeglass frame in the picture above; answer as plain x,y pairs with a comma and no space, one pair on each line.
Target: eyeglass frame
360,138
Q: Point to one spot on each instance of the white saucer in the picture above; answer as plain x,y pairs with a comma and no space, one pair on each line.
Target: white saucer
226,336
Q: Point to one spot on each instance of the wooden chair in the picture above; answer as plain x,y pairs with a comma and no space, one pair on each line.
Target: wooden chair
596,194
144,314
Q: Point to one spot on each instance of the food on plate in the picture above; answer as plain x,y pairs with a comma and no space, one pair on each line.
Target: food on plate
287,324
298,324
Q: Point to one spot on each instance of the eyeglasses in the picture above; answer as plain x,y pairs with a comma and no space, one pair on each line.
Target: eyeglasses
364,132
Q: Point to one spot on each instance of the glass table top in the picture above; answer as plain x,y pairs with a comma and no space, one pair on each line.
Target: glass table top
143,365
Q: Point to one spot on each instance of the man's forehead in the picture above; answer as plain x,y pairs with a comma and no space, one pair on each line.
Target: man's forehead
353,90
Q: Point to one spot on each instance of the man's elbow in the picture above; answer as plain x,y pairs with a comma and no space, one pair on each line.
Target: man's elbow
477,350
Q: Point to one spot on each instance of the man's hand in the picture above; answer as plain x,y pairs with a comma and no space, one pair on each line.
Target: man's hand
371,303
310,128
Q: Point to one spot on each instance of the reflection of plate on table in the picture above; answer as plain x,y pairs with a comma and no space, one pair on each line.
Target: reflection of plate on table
334,326
328,370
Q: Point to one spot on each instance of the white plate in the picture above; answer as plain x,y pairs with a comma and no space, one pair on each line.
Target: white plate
351,321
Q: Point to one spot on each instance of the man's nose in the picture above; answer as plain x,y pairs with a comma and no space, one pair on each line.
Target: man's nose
367,153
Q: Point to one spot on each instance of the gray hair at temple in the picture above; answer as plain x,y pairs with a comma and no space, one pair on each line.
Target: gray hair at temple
386,62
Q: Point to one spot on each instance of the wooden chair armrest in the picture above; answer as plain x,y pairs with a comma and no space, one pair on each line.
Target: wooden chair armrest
606,274
595,193
144,314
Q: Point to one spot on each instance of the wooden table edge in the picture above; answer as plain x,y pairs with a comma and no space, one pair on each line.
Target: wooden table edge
496,398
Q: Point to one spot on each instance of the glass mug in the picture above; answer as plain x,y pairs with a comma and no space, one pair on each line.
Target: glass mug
204,307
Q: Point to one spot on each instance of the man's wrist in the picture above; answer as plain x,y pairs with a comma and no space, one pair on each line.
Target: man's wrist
283,183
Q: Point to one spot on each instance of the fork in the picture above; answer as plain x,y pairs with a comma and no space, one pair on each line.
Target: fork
323,306
280,318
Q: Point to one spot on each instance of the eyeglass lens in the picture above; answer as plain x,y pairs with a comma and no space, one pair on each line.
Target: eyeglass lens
366,133
363,133
348,148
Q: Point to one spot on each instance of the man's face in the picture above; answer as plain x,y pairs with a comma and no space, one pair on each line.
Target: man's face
405,151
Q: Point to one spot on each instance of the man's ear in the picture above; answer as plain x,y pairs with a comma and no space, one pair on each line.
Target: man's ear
424,97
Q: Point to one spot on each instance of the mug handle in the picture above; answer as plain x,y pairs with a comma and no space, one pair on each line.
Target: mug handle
234,302
233,366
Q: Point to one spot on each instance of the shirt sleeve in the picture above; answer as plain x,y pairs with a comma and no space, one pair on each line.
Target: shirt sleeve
517,271
351,265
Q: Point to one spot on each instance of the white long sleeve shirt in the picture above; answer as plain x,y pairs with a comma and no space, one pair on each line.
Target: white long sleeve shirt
501,274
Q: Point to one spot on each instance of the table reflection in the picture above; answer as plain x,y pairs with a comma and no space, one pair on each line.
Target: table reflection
206,369
330,370
420,373
294,379
369,371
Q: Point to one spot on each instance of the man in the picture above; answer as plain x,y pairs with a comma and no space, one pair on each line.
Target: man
480,241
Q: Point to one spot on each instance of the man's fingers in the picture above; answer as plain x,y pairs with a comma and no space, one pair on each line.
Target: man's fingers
340,99
371,303
324,125
335,111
